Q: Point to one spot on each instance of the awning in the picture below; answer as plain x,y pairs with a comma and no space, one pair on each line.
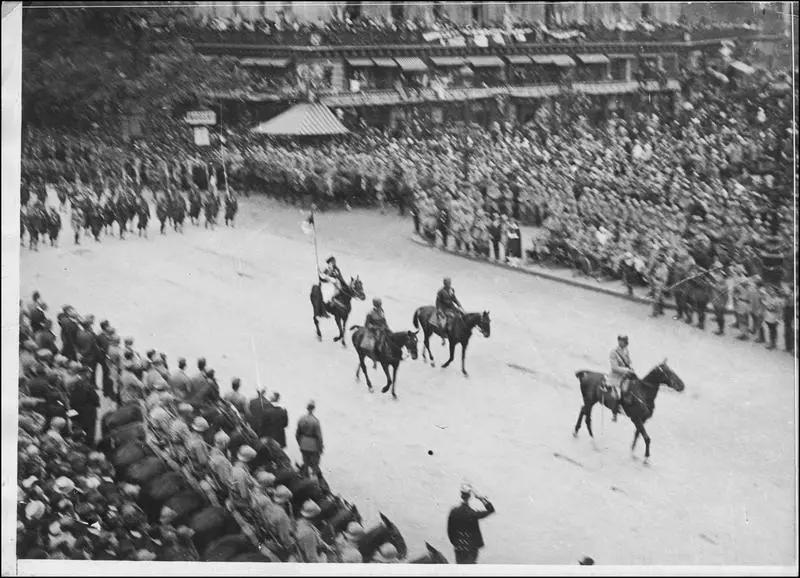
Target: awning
601,88
542,59
447,60
411,64
360,62
533,91
622,56
562,60
385,62
303,120
485,61
265,62
740,66
593,58
519,59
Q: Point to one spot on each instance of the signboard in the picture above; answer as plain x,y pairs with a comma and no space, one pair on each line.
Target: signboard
201,136
201,117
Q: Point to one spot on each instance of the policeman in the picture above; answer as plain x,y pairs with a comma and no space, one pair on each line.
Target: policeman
621,371
658,280
375,323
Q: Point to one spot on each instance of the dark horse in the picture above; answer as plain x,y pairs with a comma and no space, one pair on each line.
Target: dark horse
638,402
339,307
389,356
459,330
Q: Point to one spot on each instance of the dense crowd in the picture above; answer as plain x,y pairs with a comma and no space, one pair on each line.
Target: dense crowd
173,469
366,30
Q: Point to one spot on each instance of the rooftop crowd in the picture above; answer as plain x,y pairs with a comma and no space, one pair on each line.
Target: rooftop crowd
166,466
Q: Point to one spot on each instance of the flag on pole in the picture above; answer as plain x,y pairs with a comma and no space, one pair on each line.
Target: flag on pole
308,226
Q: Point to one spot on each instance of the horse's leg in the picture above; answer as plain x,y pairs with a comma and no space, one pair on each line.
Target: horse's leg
579,422
452,353
338,326
394,378
588,412
344,330
463,357
428,346
316,324
364,369
646,444
635,436
388,385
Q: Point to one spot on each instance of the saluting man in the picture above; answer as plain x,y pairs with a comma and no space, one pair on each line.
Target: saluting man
447,303
376,324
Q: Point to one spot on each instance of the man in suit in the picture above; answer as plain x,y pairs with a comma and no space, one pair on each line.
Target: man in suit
463,529
276,419
309,439
256,411
69,330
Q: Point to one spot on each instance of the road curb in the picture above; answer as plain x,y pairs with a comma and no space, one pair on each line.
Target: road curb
545,275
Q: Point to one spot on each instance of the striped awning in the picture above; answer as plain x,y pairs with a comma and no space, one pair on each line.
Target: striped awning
562,60
360,62
265,62
600,88
533,91
622,56
447,60
411,64
486,61
385,62
303,120
593,58
519,59
540,59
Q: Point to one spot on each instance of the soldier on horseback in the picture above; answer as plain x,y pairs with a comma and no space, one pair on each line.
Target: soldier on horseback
621,372
447,305
376,325
333,276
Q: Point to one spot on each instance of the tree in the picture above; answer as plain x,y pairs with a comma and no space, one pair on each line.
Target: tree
84,65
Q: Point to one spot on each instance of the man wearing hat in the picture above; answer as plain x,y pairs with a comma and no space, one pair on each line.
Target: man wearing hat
309,439
45,338
276,519
235,397
86,344
241,480
347,544
83,399
387,554
621,369
218,458
195,445
309,542
178,381
335,281
658,281
463,529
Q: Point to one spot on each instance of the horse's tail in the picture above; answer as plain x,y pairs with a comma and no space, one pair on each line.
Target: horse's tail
581,373
416,319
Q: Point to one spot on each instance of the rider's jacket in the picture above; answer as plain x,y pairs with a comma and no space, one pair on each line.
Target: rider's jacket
620,361
332,274
446,300
376,320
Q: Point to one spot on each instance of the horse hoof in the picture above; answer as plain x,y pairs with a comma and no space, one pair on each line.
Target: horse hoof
370,389
385,389
394,397
465,374
319,337
433,364
575,433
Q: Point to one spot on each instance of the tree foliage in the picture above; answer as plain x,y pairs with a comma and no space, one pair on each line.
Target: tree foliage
85,65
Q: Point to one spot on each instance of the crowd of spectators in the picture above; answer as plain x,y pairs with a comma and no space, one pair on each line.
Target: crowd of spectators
164,467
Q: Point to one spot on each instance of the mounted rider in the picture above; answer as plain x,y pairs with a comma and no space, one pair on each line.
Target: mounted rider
447,305
333,276
621,372
376,326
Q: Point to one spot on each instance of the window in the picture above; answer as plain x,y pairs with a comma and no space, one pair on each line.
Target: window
397,10
477,12
353,10
549,15
647,10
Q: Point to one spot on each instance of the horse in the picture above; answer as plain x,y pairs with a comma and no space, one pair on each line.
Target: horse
389,357
458,331
638,402
339,307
